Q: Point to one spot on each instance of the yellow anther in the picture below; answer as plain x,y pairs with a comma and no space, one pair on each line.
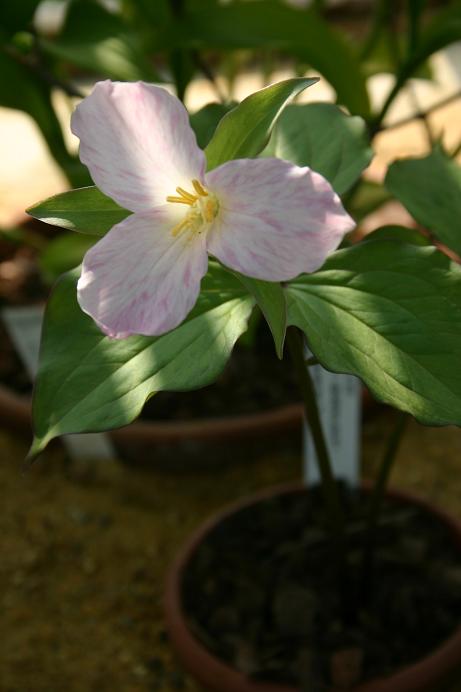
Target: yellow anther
199,189
187,195
181,200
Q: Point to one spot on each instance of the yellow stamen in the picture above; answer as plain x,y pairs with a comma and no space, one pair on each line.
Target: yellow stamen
199,189
181,200
186,195
209,210
179,227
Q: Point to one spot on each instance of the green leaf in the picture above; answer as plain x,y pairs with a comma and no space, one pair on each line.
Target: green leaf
400,233
430,188
85,210
63,253
391,314
323,137
88,382
271,300
245,131
100,41
205,121
274,26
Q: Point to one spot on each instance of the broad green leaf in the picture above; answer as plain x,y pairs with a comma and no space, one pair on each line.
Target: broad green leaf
430,188
323,137
205,121
100,41
88,382
391,314
275,26
63,253
85,210
271,300
400,233
245,131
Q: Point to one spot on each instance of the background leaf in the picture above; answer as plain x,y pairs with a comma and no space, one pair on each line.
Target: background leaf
85,210
323,137
274,26
430,188
15,16
400,233
391,314
63,253
245,130
101,42
205,121
88,382
20,89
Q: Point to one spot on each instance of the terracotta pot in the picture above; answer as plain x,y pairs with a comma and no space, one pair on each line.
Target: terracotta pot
139,438
424,676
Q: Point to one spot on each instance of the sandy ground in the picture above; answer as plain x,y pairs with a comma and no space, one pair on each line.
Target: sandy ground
85,548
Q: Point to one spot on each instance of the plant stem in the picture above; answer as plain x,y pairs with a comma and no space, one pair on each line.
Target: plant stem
329,487
376,502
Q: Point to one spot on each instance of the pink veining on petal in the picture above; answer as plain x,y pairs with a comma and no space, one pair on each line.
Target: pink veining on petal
276,220
133,279
137,142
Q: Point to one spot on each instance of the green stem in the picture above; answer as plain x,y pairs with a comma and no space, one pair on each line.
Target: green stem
330,489
376,501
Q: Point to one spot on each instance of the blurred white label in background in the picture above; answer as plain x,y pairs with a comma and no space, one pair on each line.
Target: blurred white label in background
24,325
340,404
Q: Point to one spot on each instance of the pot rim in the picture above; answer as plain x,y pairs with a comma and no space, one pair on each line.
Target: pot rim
16,410
221,677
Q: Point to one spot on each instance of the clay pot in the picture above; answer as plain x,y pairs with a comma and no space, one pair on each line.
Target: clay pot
139,439
424,676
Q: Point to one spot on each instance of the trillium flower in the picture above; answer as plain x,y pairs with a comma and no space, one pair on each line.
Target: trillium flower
265,218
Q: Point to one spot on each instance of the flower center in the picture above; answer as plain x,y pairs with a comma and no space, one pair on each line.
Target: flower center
203,208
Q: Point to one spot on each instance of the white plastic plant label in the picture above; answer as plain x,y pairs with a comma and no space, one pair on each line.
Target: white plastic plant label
339,399
24,325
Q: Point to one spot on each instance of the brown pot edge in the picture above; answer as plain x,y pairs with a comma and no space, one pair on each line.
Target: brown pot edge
16,411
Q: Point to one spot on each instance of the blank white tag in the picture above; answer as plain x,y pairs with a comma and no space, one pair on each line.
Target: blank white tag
339,400
24,326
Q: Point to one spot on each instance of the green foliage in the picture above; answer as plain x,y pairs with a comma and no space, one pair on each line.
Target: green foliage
19,89
368,197
15,16
245,130
101,42
205,121
271,25
88,382
271,300
63,253
86,210
391,314
321,136
400,233
430,188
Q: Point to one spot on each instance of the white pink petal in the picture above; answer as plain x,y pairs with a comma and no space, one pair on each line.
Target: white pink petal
136,140
275,220
139,278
